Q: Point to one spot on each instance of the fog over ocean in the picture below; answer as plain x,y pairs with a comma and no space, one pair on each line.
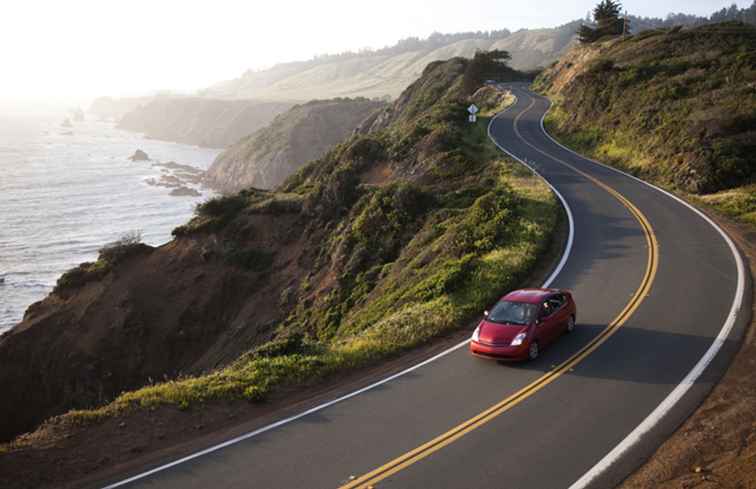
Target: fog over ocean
62,196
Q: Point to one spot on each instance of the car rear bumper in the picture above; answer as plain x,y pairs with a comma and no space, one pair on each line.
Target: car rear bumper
499,352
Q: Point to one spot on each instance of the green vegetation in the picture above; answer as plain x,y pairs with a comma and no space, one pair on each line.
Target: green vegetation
110,255
608,23
214,214
739,203
674,106
394,262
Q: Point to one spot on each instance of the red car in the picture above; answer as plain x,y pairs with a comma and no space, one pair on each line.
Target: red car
522,323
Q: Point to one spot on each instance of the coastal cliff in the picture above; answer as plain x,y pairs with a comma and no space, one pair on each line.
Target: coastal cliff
301,134
200,121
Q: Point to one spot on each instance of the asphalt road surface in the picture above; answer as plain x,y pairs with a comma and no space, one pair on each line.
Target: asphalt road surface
656,286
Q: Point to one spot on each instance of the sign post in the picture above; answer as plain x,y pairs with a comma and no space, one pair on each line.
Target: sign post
473,110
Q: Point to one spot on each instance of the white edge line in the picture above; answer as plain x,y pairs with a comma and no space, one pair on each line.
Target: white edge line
214,448
682,388
571,235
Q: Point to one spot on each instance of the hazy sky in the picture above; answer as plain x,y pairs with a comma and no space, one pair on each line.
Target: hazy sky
86,48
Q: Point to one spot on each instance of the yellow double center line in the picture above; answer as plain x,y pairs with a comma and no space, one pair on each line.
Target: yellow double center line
471,424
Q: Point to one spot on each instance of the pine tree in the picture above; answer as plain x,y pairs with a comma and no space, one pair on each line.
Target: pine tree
608,23
587,34
607,18
485,64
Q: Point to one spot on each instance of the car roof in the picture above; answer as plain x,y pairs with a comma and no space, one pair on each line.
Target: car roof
530,296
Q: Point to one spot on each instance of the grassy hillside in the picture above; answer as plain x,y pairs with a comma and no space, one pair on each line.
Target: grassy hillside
676,106
200,121
303,133
389,71
393,237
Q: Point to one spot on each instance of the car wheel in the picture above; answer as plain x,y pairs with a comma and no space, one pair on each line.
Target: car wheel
571,324
533,351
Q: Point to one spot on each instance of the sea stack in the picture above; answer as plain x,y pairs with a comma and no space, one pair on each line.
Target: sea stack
139,155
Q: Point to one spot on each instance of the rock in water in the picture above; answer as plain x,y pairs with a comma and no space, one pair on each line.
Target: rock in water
184,191
139,155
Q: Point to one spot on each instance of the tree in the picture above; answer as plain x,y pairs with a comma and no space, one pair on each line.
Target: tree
606,16
587,34
485,65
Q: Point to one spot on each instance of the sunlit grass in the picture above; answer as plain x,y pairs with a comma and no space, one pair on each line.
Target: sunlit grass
739,203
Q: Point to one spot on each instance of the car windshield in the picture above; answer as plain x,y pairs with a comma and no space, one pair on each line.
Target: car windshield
513,312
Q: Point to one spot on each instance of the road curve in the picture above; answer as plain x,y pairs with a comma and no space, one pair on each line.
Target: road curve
658,289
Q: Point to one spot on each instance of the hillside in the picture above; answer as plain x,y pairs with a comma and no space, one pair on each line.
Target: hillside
676,106
394,236
114,108
389,71
200,121
301,134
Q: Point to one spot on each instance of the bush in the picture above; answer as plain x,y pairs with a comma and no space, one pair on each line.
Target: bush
121,248
110,255
365,149
600,65
291,344
222,206
80,276
387,217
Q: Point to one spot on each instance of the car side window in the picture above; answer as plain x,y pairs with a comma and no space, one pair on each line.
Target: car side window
546,309
551,304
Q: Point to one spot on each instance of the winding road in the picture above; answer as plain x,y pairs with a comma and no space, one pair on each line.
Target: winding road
661,298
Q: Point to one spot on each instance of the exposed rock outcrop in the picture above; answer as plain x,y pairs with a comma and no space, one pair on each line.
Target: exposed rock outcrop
184,191
139,155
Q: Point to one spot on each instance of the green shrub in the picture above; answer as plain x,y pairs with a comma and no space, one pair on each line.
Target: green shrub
125,246
110,255
80,276
600,65
222,205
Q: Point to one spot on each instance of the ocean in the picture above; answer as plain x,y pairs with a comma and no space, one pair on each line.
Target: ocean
67,191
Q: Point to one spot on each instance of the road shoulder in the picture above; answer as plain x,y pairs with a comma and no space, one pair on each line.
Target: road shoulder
716,445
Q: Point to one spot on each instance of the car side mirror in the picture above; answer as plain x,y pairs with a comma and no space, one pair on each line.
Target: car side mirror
485,313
